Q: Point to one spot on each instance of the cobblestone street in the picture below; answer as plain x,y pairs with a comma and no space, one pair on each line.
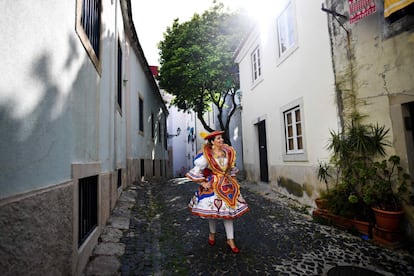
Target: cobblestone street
163,238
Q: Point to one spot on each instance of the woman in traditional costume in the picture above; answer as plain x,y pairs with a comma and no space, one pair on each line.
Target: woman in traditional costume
218,196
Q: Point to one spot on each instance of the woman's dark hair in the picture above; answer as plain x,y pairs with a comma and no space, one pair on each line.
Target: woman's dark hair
211,139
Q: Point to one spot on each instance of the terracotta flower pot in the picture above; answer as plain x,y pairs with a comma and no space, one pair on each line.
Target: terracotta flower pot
388,220
361,226
321,203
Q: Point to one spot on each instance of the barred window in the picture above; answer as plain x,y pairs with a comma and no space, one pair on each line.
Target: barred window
141,115
165,133
119,94
119,180
152,126
88,207
142,167
88,28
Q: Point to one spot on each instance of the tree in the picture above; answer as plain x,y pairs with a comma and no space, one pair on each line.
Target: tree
197,65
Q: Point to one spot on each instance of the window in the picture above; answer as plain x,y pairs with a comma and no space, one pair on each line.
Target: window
119,94
165,133
293,130
88,207
141,115
256,65
286,31
142,167
119,180
152,126
159,130
88,28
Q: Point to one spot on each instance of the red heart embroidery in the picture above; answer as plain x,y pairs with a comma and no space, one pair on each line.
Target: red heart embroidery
218,203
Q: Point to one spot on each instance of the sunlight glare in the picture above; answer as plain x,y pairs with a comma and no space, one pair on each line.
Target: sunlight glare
259,11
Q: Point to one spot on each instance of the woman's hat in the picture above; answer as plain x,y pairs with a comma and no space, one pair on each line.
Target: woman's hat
206,135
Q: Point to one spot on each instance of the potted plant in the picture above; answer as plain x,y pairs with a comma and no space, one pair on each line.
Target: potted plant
323,173
353,151
385,193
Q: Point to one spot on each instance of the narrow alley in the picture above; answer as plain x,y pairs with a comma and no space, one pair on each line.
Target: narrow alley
151,232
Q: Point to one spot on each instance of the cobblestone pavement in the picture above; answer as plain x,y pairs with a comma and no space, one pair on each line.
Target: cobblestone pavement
151,232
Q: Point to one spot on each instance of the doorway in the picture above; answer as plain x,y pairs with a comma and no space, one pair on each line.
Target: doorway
408,113
264,170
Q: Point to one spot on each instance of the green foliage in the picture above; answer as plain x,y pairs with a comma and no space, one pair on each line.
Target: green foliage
343,201
388,185
323,173
363,182
197,64
354,149
353,153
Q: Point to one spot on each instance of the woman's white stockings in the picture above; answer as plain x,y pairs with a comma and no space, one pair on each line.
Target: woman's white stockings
228,225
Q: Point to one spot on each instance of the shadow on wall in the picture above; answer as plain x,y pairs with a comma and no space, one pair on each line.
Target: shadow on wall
39,125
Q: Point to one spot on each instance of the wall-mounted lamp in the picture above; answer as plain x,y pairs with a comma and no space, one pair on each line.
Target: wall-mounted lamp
172,135
125,81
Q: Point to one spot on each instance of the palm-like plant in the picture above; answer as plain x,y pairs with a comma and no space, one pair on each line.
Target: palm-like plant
324,174
353,152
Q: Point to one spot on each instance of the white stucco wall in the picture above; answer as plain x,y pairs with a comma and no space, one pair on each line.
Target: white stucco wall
178,144
305,76
46,77
143,146
192,147
60,122
56,109
112,124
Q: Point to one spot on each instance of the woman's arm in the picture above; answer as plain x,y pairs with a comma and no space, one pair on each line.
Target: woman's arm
197,173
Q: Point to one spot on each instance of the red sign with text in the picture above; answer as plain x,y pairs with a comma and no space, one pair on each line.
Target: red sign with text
359,9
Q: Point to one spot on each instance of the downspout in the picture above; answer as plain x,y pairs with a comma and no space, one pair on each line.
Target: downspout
339,93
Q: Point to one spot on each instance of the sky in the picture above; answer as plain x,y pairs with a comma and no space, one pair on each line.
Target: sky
151,19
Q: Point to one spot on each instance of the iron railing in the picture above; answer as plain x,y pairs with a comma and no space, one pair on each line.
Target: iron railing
91,22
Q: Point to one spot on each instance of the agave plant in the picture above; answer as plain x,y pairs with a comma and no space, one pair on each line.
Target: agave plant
355,148
353,153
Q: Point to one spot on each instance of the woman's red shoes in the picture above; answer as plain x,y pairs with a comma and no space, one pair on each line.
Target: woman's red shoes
231,245
212,239
234,249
